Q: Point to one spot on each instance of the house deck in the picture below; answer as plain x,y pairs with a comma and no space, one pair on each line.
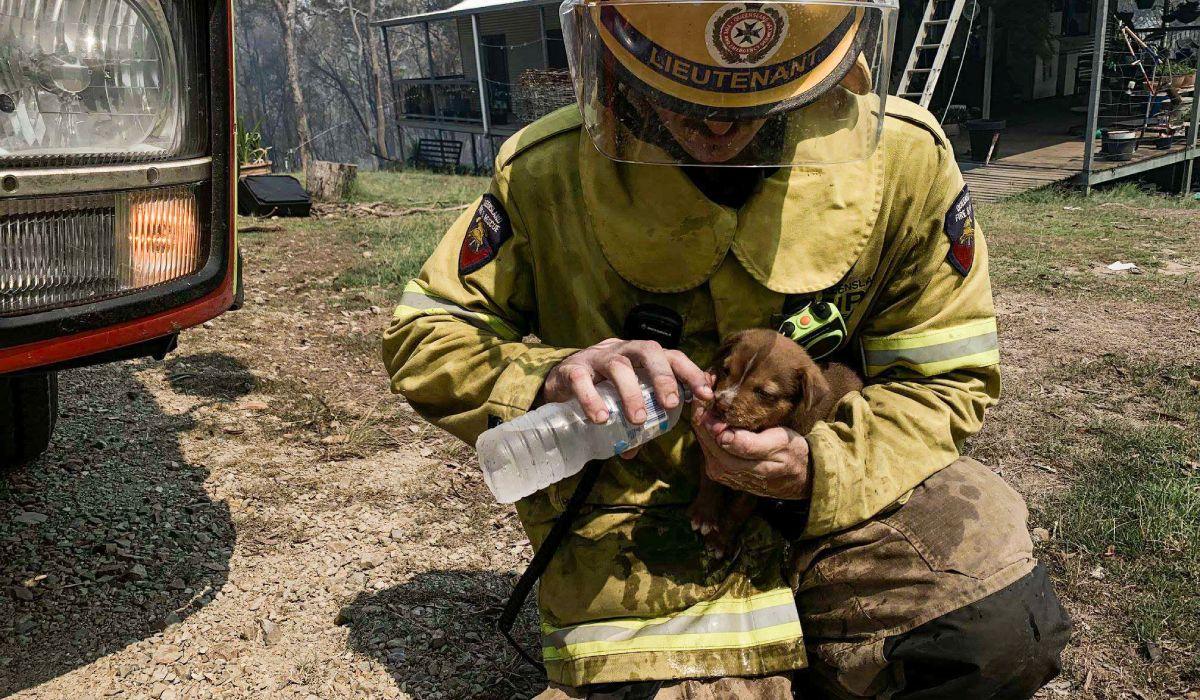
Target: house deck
1044,147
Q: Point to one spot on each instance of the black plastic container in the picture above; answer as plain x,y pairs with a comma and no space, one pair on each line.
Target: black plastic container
1118,144
272,195
983,133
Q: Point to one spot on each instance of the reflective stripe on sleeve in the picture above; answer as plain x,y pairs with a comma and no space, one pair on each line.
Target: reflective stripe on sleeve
936,352
418,301
723,624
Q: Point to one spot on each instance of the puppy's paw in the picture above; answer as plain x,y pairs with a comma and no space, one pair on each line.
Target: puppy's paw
721,540
718,536
702,522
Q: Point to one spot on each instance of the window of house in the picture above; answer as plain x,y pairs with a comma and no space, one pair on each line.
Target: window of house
1077,18
556,51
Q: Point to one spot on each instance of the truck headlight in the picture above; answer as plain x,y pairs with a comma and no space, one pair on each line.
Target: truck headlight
89,81
105,157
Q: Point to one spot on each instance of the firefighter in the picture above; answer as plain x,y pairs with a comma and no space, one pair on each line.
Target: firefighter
884,563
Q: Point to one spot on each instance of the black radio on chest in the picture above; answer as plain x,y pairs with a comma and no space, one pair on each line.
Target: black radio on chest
654,322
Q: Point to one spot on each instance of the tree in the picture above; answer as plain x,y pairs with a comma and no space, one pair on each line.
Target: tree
313,76
370,49
285,11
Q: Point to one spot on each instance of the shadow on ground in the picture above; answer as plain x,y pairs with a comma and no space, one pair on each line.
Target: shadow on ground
107,538
436,635
211,375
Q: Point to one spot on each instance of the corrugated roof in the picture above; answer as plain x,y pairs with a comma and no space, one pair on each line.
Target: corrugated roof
466,7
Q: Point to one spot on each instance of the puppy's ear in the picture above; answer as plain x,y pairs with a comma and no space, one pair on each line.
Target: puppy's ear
725,349
811,386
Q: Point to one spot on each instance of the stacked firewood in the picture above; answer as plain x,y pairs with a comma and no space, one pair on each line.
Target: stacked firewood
540,92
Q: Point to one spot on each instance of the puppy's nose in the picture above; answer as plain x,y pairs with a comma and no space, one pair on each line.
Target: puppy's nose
723,399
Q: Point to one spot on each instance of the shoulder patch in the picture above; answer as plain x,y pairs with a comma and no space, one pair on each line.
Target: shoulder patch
489,229
959,226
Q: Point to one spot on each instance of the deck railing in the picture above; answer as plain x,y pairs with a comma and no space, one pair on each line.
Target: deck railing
452,99
449,98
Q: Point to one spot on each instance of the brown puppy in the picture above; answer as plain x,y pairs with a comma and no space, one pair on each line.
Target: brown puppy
763,380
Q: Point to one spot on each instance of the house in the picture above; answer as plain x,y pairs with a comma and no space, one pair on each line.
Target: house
475,73
487,68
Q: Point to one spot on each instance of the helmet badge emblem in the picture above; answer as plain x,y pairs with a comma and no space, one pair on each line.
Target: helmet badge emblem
745,33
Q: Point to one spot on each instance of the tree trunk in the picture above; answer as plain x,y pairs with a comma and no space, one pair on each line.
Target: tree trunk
373,45
369,61
330,182
286,10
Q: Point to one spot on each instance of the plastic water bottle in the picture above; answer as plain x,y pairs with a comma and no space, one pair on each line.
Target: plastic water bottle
553,442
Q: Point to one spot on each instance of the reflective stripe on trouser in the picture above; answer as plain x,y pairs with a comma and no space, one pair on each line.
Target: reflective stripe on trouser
935,352
712,628
775,687
418,301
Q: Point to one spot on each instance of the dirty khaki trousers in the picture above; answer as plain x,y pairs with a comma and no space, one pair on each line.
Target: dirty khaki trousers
937,598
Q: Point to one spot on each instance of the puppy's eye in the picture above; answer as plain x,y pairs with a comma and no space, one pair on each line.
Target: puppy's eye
763,393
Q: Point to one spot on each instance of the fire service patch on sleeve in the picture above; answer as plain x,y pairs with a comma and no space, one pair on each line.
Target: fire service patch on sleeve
488,230
960,229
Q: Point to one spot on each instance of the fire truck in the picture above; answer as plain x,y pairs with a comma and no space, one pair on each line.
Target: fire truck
117,185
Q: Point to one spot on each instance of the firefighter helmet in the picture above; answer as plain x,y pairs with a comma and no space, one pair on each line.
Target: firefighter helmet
730,63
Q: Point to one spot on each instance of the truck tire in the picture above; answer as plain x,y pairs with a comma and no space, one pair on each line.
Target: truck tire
239,292
28,412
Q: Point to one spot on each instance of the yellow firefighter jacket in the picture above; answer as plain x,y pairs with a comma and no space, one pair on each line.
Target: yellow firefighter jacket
566,242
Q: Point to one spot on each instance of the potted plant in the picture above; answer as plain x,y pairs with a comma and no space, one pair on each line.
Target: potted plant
1182,77
1163,141
252,154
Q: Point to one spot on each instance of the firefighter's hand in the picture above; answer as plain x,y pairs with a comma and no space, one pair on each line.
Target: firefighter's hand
772,463
617,360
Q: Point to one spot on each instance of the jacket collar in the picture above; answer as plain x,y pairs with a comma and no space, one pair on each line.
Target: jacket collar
801,232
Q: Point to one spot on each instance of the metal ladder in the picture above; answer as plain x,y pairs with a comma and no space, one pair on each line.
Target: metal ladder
911,85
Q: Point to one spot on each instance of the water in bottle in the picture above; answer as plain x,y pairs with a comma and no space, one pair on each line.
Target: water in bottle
554,441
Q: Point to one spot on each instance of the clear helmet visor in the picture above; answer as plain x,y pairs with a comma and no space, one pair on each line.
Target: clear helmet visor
730,83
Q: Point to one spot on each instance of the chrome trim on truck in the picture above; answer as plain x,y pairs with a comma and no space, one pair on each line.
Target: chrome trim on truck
36,182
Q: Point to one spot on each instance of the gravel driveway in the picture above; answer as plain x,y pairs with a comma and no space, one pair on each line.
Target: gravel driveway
255,517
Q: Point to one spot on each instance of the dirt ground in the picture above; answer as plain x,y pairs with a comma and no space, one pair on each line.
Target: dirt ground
257,516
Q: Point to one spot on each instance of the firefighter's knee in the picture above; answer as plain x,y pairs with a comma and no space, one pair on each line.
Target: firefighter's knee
1004,646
